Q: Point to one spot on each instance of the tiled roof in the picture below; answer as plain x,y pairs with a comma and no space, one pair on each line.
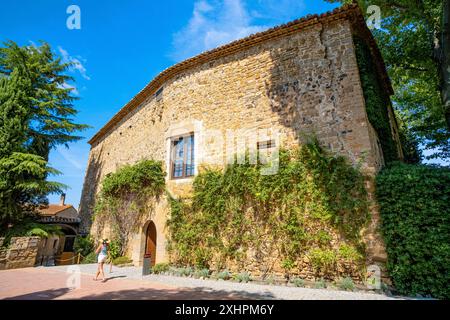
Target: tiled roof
347,11
53,209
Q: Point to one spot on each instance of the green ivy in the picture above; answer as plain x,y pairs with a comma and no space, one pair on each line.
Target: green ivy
377,101
414,204
126,195
115,249
313,195
146,176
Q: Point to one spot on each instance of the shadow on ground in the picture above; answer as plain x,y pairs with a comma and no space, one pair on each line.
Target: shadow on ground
111,278
199,293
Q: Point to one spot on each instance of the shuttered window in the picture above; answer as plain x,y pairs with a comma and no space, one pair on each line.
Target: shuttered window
182,157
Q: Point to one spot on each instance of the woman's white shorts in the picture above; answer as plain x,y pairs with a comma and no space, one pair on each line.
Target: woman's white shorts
101,258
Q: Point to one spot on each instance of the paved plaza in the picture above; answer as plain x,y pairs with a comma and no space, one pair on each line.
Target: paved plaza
47,283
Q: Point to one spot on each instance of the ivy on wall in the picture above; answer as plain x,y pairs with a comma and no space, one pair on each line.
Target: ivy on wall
312,210
377,101
415,215
126,195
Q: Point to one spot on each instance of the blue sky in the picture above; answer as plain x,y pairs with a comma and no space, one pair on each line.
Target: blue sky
122,45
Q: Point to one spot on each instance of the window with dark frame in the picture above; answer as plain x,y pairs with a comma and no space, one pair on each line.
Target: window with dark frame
266,144
158,94
263,156
182,156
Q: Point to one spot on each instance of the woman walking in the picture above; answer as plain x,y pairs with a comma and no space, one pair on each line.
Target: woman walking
103,252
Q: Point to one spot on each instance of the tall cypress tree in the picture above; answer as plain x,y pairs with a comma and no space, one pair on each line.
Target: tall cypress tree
36,111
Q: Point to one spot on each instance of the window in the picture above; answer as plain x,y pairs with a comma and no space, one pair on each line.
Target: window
266,144
182,156
158,94
265,150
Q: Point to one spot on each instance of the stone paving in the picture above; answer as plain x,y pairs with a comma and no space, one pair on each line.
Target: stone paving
128,283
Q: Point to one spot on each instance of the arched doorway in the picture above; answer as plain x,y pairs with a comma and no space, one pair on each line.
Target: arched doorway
150,243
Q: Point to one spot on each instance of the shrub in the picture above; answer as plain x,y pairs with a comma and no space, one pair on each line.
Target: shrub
349,253
415,215
115,249
187,271
160,268
298,282
270,280
83,245
320,284
322,259
242,277
176,271
90,258
202,273
121,261
346,284
223,275
288,264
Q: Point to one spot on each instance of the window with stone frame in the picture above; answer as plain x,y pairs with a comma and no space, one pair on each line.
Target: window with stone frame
182,156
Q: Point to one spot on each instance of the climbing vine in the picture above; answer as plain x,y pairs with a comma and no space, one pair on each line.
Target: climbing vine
126,195
377,101
308,215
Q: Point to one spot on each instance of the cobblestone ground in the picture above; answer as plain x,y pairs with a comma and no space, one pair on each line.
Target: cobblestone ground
128,283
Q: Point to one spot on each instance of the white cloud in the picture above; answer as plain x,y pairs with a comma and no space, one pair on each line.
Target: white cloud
216,22
213,23
77,65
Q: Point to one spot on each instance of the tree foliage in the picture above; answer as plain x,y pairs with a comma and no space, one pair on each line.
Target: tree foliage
415,215
415,44
36,114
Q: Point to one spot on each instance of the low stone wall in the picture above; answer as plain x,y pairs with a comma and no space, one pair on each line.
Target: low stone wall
20,253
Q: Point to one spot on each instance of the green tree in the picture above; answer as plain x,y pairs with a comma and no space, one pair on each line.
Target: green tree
410,145
36,111
415,42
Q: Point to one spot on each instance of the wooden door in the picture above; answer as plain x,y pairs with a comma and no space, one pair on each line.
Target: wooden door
150,245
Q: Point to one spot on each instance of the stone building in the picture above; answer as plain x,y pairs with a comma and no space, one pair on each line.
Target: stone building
294,79
58,249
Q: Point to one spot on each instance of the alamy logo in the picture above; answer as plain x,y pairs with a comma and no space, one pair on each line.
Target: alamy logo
74,279
373,277
374,20
74,20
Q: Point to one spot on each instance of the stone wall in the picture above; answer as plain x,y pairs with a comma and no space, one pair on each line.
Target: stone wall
21,252
303,83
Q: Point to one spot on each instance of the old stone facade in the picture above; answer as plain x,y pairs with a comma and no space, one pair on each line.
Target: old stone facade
20,253
297,79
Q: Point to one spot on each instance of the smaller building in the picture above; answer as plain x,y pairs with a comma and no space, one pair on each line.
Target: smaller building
58,249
